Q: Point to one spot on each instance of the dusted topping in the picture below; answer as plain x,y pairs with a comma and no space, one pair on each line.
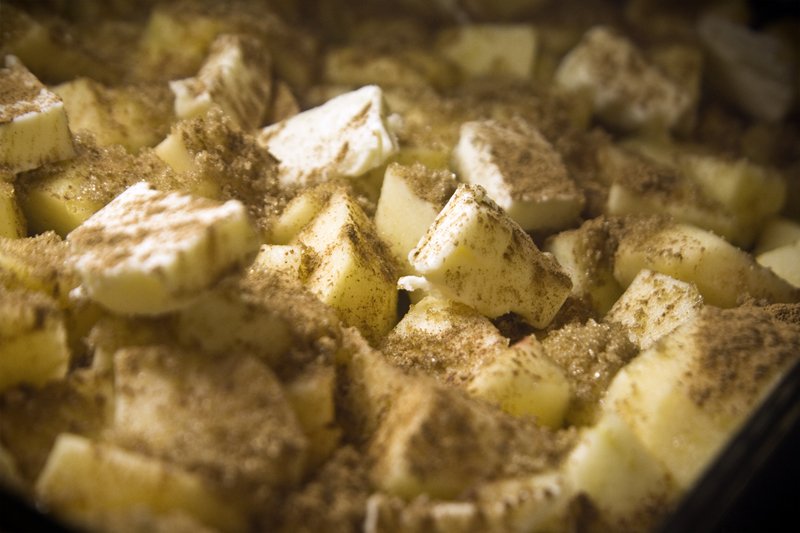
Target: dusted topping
179,406
590,354
149,252
237,76
529,166
39,263
25,311
21,93
345,137
503,386
626,90
228,161
434,186
475,254
443,339
334,500
741,351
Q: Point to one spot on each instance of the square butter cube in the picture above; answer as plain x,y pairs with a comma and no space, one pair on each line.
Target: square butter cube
150,252
344,137
33,122
521,171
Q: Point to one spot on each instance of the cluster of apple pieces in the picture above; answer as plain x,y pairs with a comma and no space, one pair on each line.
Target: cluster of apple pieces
235,315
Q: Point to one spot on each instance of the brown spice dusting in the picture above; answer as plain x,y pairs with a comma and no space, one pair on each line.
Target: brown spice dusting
98,173
30,420
333,500
740,351
434,186
531,168
179,406
590,355
233,161
38,263
21,92
442,339
314,328
451,442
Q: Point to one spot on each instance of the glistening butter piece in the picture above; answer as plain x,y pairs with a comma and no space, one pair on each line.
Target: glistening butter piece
150,252
33,123
345,137
521,171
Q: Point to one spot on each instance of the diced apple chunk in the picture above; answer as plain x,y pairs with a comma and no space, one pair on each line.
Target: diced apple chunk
622,479
474,253
440,442
133,116
40,264
587,255
33,122
264,314
60,196
356,66
33,339
521,171
653,305
175,45
640,186
312,397
85,481
411,197
295,260
722,273
523,381
12,221
237,76
491,49
31,419
354,272
784,261
444,339
627,91
685,395
150,252
299,212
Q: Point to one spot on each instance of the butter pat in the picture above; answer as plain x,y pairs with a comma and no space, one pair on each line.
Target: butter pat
150,252
344,137
33,123
521,171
